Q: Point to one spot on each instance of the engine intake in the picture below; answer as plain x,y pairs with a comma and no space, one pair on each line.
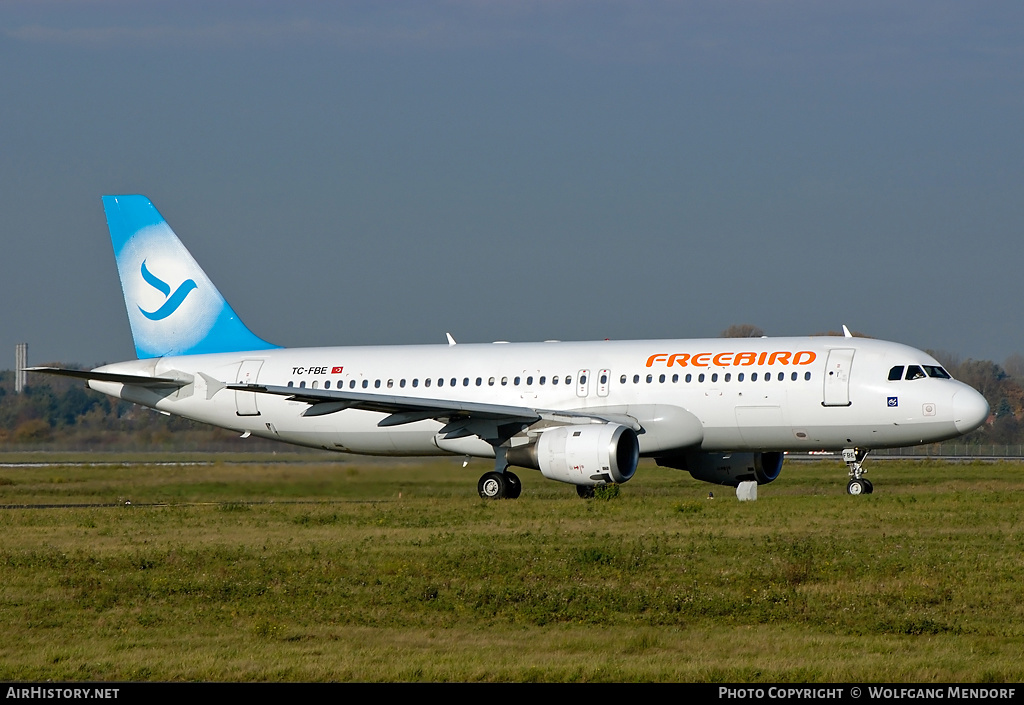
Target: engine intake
589,454
728,468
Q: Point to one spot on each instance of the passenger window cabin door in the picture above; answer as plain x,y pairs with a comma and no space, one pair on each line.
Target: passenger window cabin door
245,402
836,390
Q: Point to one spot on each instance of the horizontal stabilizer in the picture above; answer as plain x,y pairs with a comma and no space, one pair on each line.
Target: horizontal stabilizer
135,380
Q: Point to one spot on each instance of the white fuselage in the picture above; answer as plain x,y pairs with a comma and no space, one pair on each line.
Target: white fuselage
808,393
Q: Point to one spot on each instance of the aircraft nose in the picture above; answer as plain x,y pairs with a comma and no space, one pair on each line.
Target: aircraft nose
969,410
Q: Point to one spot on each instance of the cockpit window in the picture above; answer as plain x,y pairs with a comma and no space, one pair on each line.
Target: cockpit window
896,373
937,372
914,372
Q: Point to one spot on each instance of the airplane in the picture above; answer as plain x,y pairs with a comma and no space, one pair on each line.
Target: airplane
726,410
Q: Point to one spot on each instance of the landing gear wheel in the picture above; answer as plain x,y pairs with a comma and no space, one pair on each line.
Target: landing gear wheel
492,485
856,487
585,491
513,487
854,459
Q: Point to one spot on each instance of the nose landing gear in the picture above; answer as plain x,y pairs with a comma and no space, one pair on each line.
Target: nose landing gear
858,484
861,486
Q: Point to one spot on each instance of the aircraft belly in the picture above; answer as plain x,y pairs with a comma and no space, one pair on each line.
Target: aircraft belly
219,411
870,435
357,432
917,433
722,438
416,441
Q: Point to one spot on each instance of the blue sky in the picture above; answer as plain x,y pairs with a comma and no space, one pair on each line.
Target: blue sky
363,173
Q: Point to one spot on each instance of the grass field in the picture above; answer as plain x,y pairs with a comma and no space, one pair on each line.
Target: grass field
397,571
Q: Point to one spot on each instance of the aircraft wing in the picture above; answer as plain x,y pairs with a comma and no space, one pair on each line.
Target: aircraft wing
137,380
337,400
463,418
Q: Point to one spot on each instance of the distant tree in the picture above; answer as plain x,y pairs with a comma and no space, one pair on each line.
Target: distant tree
742,330
32,431
1014,394
1014,366
951,361
1005,429
984,375
1004,394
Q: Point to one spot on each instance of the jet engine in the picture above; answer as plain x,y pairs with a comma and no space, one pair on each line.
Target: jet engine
590,454
727,468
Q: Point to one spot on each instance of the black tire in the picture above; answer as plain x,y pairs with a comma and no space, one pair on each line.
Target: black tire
868,487
513,486
585,491
492,485
856,487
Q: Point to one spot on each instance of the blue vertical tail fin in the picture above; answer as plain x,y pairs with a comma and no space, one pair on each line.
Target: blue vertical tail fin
173,307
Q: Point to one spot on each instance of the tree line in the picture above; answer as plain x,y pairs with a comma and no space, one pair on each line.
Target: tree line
60,413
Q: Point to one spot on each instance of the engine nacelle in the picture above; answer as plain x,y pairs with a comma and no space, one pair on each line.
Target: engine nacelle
588,454
728,468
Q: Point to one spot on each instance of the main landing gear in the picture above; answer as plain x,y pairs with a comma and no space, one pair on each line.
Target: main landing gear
858,484
499,485
506,485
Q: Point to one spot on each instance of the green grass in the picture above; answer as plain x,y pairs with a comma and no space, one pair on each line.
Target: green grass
398,571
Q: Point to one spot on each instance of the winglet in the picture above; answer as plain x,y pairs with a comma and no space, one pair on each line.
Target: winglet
451,340
173,307
846,332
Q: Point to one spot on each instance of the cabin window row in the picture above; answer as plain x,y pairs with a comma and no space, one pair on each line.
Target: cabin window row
440,382
714,377
543,380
